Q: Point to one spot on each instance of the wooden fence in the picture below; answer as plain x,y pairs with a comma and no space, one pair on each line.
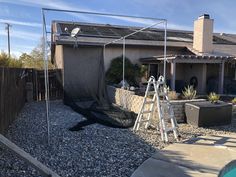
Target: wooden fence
12,95
36,78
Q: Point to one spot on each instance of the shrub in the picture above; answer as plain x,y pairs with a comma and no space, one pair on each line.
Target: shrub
133,72
213,97
172,95
233,101
6,61
189,92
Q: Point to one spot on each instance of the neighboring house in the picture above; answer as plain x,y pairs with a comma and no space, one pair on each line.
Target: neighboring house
201,58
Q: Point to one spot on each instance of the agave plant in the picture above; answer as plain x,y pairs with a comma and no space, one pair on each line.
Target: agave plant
213,97
234,100
189,92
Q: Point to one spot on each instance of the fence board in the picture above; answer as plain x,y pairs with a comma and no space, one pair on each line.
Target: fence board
37,79
12,96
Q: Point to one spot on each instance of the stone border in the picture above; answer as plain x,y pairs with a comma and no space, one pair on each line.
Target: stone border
134,102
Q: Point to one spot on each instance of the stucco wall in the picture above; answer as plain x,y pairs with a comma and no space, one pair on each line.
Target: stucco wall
59,56
134,53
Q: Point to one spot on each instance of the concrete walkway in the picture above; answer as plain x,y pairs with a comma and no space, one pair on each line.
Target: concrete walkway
200,157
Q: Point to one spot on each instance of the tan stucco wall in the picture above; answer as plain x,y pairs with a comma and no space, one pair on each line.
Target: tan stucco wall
59,56
134,53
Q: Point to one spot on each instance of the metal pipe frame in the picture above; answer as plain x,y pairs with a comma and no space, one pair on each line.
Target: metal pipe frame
103,14
123,53
45,57
45,32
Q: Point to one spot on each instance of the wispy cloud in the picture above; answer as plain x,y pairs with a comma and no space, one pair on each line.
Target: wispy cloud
14,22
23,35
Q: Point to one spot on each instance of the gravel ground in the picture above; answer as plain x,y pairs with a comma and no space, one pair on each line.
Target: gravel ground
95,151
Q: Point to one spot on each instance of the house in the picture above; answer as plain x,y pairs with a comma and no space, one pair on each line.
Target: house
200,58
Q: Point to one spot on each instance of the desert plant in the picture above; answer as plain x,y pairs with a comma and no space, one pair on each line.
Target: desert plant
172,95
234,100
189,92
166,88
213,97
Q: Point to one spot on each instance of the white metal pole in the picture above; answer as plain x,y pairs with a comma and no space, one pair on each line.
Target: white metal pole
46,77
123,71
123,83
164,74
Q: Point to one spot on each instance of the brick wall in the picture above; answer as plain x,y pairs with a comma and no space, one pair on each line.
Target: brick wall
179,109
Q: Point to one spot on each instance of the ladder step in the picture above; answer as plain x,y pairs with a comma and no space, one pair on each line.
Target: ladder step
162,94
145,112
151,93
141,121
170,129
150,102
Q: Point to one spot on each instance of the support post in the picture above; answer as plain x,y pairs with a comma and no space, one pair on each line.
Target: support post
8,39
45,57
204,78
221,78
173,74
123,95
165,59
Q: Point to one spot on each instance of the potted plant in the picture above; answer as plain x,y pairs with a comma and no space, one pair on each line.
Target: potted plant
209,113
213,98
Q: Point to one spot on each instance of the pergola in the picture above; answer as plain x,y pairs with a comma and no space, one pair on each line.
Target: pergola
192,59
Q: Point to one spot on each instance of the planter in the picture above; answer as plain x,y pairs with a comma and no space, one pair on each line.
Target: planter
205,114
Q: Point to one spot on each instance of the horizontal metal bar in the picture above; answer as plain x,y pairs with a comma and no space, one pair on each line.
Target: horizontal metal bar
103,14
124,37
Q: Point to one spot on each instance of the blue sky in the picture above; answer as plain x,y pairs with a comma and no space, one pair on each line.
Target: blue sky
25,16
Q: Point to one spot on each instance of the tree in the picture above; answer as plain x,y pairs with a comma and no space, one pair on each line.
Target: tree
6,61
35,59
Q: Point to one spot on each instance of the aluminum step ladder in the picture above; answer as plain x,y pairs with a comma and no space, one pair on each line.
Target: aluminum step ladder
158,93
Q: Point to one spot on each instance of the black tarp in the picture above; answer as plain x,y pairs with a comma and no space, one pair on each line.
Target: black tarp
85,88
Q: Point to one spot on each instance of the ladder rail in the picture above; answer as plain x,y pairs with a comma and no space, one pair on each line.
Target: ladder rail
136,125
165,110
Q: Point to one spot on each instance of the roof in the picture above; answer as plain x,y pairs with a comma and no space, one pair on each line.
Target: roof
93,30
188,59
189,55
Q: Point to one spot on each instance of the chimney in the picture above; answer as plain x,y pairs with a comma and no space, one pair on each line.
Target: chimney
203,34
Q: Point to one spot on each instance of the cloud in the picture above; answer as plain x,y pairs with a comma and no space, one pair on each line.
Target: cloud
58,4
14,22
22,35
17,50
179,27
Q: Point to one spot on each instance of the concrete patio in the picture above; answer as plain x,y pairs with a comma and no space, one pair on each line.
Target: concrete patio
201,156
